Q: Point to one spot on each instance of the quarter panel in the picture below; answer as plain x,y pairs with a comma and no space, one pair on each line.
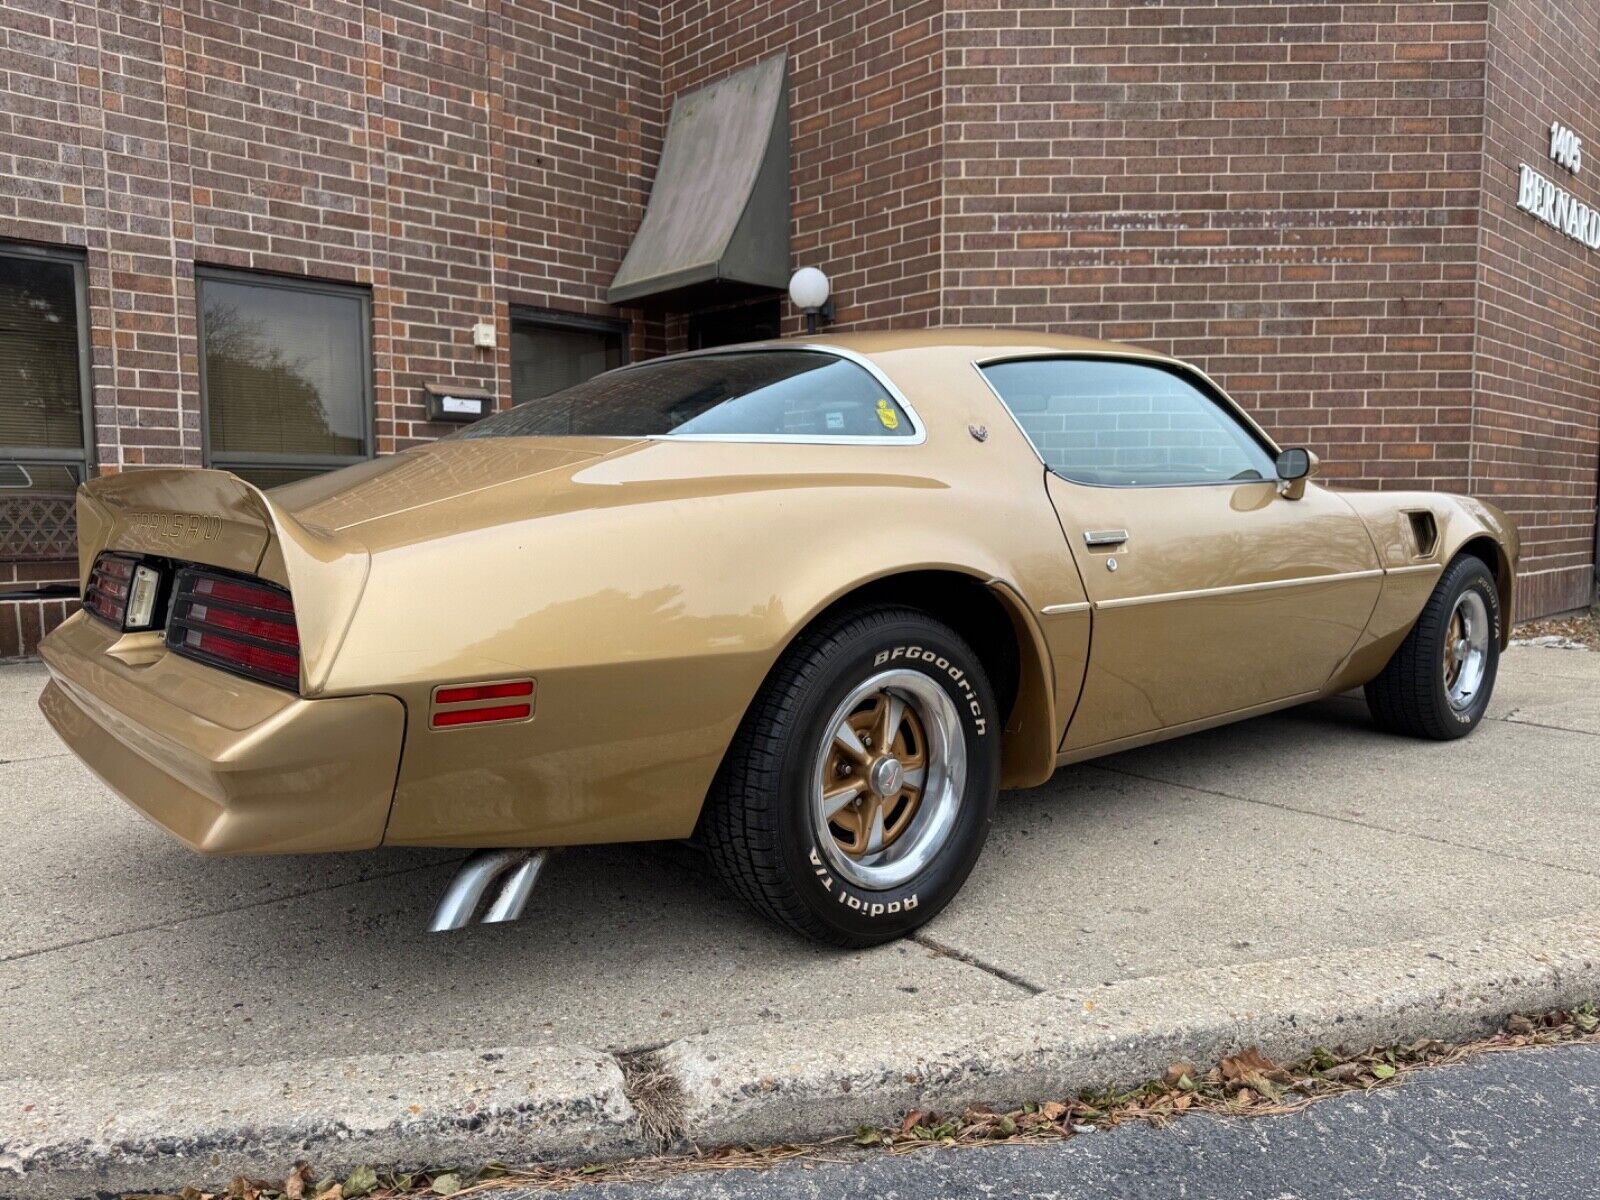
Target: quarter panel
649,594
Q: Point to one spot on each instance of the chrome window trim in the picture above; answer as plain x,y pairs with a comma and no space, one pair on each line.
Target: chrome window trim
919,431
1235,589
1210,389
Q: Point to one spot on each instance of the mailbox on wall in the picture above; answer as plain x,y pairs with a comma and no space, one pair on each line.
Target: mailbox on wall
445,402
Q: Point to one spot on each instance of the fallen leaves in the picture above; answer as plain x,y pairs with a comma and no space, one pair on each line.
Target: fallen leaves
1246,1082
1178,1072
1582,630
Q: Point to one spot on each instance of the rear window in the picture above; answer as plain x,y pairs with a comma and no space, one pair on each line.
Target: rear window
764,393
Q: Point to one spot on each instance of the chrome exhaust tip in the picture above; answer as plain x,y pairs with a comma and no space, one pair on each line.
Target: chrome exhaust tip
498,882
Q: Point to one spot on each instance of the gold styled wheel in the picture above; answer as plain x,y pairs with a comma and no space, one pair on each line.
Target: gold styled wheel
890,772
878,762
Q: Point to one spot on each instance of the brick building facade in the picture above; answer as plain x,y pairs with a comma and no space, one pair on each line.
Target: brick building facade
1317,203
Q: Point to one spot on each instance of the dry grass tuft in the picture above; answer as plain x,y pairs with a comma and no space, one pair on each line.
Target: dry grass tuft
655,1093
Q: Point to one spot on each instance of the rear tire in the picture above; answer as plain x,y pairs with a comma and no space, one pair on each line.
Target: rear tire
780,825
1438,683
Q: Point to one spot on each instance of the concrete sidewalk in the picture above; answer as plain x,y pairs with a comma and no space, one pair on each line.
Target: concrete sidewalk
1300,834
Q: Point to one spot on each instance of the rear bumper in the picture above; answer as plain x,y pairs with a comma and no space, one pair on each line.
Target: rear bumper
226,765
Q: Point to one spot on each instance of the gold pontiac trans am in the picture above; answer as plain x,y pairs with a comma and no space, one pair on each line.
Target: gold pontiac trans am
811,604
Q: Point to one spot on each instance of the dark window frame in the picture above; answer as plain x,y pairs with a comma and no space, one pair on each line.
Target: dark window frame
292,283
698,319
1182,371
84,458
551,318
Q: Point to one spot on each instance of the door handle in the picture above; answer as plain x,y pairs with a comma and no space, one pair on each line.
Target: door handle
1105,537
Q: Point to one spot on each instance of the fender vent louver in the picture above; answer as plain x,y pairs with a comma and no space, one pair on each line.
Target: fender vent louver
1424,533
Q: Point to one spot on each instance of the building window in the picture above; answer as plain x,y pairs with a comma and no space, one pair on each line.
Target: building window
45,429
285,375
550,352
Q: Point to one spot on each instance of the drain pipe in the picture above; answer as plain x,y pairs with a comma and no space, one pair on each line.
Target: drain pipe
505,877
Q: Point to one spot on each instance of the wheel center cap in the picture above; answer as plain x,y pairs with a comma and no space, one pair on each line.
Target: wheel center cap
887,776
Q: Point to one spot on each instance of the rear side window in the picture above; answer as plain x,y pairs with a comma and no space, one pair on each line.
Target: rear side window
797,394
1126,424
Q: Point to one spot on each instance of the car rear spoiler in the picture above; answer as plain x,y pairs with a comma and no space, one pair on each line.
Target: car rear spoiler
218,520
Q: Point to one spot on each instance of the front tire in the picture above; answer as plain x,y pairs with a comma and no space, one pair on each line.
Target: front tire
859,789
1439,681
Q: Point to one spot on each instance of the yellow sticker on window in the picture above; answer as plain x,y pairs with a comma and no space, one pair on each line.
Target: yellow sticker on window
887,417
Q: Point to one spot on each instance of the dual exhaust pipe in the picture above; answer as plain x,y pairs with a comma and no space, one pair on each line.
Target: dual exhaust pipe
493,883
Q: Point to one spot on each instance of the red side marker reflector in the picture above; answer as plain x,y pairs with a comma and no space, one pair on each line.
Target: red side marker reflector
472,716
484,691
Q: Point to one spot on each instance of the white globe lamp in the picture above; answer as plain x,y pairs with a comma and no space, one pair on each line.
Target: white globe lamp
808,291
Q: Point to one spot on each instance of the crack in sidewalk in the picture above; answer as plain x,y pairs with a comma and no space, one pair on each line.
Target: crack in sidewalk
943,950
1511,718
1308,812
31,758
189,918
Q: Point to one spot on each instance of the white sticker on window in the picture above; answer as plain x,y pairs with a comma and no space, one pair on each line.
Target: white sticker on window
835,420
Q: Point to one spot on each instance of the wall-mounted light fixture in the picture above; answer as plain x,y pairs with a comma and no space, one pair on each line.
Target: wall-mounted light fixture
808,291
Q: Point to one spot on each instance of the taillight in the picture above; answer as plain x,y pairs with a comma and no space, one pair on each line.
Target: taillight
123,592
109,584
239,625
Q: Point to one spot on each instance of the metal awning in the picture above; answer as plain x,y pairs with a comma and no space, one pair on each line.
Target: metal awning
718,219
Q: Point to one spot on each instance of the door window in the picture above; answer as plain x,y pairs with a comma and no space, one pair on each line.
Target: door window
1127,424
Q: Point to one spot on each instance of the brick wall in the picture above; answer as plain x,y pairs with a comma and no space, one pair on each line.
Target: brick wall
1310,201
24,622
1283,194
1536,421
452,155
84,145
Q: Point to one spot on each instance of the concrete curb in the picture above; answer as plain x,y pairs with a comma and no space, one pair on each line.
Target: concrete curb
772,1084
87,1137
769,1084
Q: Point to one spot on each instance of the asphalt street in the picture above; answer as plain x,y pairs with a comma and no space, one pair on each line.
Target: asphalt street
1306,831
1522,1125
